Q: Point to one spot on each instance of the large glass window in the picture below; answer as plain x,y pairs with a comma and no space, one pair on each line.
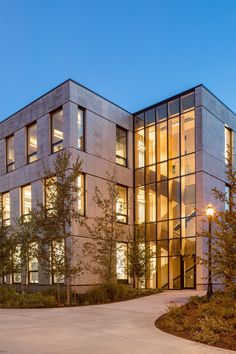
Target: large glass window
121,261
174,168
139,149
173,107
187,164
150,117
161,112
174,198
139,177
151,203
165,201
188,195
173,135
162,141
151,174
10,155
121,204
187,102
139,205
188,133
228,145
174,273
26,201
121,146
81,198
162,269
162,171
80,127
162,201
150,145
6,207
57,130
139,121
32,143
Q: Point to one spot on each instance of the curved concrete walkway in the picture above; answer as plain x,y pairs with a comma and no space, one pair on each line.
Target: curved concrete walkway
119,328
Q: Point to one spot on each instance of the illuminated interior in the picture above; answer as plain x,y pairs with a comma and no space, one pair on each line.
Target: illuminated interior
165,200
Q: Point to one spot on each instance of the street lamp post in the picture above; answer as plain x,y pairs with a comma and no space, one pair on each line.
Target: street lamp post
210,213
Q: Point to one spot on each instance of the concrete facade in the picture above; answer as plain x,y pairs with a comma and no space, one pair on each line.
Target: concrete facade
99,155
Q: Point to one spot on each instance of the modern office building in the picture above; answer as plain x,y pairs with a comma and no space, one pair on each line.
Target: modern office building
165,158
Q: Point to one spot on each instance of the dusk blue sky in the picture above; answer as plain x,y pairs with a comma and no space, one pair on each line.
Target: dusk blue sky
133,52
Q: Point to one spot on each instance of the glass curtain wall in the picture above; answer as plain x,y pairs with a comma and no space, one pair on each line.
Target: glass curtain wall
165,190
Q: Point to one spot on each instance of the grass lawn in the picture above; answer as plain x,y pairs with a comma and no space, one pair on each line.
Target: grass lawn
211,321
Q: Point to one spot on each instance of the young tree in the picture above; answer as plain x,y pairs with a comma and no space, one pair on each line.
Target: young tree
223,245
24,236
7,246
105,232
139,257
53,220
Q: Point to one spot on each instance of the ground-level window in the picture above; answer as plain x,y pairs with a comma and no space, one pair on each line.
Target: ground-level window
16,259
33,264
121,261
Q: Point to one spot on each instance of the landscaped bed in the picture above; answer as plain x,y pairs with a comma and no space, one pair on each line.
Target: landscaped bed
207,321
9,298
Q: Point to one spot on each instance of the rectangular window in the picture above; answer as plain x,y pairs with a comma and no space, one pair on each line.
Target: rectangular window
187,164
162,171
173,148
16,260
26,200
140,205
6,207
121,261
188,133
81,199
173,107
121,204
139,121
32,143
33,264
121,146
162,200
139,149
228,145
151,203
174,168
188,195
161,112
139,177
151,174
187,102
80,127
162,141
150,145
10,155
150,117
57,130
174,198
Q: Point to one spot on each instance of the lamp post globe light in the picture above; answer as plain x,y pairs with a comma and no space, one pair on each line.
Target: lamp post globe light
210,211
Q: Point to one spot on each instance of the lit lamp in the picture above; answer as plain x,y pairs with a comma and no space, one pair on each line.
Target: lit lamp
210,211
